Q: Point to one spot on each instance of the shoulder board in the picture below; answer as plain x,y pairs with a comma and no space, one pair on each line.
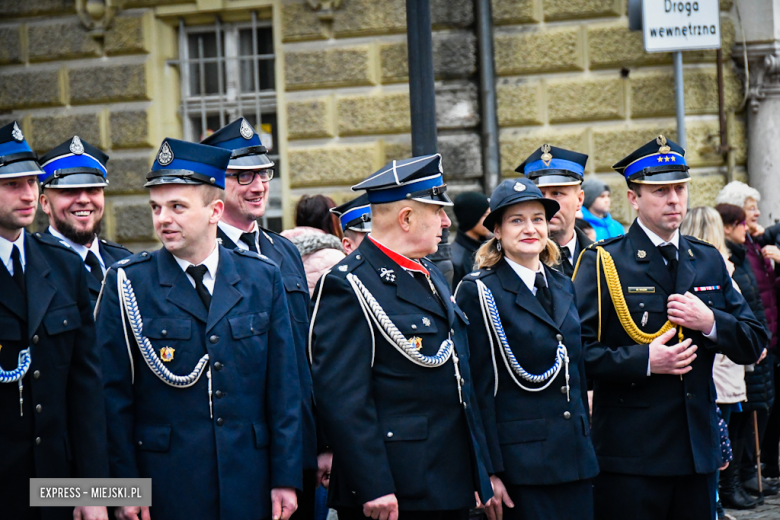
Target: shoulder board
250,254
269,234
137,258
347,265
605,242
51,240
479,274
695,240
113,244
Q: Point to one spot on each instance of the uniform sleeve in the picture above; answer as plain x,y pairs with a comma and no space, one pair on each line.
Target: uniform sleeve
86,411
625,363
584,384
482,369
283,401
342,354
117,381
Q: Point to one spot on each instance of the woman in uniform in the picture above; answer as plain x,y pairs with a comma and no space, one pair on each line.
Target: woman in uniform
527,364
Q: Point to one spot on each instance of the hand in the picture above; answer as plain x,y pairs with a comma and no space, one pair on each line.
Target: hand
675,359
90,513
132,513
761,358
758,229
494,508
382,508
726,465
690,312
771,252
324,464
284,502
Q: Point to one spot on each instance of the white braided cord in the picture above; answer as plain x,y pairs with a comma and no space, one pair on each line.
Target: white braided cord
24,360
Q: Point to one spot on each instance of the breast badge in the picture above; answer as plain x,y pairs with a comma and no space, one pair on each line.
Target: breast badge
166,354
417,342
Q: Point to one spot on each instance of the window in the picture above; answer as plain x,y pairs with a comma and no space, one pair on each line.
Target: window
227,72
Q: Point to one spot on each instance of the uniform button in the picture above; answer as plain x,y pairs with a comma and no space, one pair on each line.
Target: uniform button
65,323
641,305
414,327
357,258
709,302
220,421
164,332
214,339
38,408
298,285
462,381
452,331
217,366
219,394
559,337
144,254
37,440
563,389
140,443
567,415
465,405
35,339
690,395
389,434
37,374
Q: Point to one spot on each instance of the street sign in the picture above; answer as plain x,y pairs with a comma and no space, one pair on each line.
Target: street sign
681,25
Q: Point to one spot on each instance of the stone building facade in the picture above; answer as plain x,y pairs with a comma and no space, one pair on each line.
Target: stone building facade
333,90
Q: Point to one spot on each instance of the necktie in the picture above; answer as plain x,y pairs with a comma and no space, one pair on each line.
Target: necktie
543,294
197,272
566,267
18,271
670,253
250,239
94,265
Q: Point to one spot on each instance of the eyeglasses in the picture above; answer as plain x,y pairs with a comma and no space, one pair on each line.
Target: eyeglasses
247,177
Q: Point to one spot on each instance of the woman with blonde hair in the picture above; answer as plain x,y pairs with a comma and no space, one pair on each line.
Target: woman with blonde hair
527,364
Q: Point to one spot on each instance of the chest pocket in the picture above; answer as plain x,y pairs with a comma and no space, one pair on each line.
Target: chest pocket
167,328
652,303
248,325
62,320
297,297
414,324
714,299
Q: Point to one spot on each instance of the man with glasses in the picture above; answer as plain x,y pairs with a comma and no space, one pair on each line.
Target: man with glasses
246,195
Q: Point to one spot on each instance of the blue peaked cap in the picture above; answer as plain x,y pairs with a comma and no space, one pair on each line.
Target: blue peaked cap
553,166
247,152
182,162
661,161
74,164
419,178
16,157
355,214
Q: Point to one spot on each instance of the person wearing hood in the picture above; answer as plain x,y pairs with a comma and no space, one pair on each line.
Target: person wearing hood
470,208
595,209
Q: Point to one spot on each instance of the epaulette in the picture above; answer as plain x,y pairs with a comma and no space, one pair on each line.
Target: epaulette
137,258
251,254
268,232
113,244
51,240
479,274
604,242
347,265
698,241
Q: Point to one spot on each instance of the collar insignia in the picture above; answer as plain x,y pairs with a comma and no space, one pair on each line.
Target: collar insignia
165,157
416,342
246,130
519,186
661,141
641,253
166,354
343,268
546,155
17,134
76,146
387,275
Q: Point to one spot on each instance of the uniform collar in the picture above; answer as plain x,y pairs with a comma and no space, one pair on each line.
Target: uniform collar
658,241
211,262
82,250
527,275
6,248
235,233
406,263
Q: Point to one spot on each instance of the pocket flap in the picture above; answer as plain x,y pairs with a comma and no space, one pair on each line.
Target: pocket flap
10,330
405,428
522,431
167,328
62,320
413,324
651,302
153,437
295,284
261,435
248,325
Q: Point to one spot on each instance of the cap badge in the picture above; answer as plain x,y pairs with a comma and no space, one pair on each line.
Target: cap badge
166,354
16,133
546,155
519,186
416,342
246,130
664,148
76,146
165,157
641,253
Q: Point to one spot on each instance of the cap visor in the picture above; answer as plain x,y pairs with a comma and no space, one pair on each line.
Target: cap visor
662,178
20,169
555,180
77,180
250,162
159,181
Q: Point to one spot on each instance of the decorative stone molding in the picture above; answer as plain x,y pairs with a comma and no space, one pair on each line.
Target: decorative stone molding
325,8
97,15
763,60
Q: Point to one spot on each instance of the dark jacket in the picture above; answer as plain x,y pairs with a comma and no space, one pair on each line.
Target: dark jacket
535,438
582,244
395,426
220,467
62,433
658,425
463,250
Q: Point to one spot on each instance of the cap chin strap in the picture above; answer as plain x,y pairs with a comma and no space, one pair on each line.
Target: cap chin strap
430,192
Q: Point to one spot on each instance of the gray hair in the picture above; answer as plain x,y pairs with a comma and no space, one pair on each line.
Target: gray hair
737,193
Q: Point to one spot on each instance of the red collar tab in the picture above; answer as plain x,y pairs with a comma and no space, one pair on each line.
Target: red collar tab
401,260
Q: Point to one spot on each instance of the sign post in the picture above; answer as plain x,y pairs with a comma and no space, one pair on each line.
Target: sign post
676,26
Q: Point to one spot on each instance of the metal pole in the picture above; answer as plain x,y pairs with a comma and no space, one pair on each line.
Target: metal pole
487,88
679,98
422,95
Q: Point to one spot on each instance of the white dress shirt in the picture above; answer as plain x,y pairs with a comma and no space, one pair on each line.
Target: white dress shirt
5,252
570,248
527,275
211,262
81,249
234,234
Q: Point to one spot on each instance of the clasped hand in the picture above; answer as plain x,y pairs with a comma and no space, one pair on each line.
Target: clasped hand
684,310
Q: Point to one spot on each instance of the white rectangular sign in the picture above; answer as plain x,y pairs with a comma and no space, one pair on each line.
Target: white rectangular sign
681,25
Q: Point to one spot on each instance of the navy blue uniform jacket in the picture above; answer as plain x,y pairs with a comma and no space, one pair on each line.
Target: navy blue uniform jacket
66,436
535,438
394,426
286,257
225,466
660,424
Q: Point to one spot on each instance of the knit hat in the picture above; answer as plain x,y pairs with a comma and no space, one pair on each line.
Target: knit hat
469,208
593,188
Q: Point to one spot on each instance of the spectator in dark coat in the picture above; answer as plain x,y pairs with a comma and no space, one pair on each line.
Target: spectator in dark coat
471,208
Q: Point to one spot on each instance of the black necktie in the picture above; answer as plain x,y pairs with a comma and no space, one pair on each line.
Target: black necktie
543,294
250,239
566,266
94,265
670,253
18,271
197,272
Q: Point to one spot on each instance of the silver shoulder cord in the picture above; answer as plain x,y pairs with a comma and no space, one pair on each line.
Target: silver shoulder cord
394,336
494,326
131,316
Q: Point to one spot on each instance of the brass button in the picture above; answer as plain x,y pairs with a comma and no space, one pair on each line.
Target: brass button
37,374
164,332
559,337
220,421
214,339
217,366
35,339
219,394
389,435
38,408
567,415
37,440
65,323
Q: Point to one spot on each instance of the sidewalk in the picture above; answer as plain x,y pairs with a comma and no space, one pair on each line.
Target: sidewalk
769,511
